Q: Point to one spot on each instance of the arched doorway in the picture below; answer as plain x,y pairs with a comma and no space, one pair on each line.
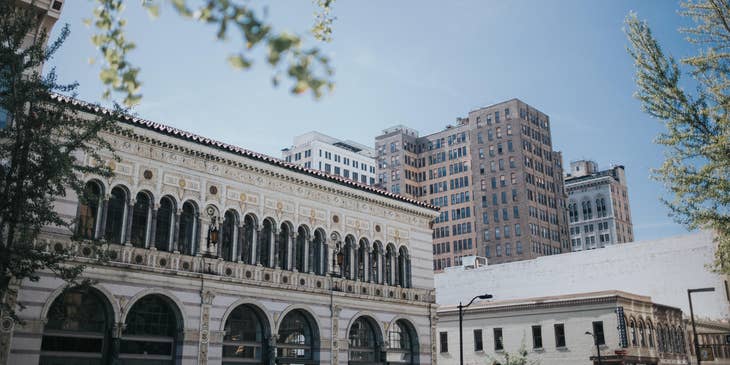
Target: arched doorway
246,336
402,343
365,342
152,332
297,339
78,329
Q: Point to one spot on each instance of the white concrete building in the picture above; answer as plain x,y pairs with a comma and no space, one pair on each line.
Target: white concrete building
220,255
662,269
628,328
344,158
598,206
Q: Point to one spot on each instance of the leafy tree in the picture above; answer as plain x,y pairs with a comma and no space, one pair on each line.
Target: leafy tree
306,67
40,144
514,358
696,169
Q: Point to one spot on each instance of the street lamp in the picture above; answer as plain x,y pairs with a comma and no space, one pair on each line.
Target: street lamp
598,348
692,315
461,320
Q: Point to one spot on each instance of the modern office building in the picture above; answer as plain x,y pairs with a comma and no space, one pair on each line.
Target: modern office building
565,330
598,206
344,158
221,255
495,176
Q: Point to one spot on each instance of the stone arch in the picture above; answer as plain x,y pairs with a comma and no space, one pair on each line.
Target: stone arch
269,323
302,250
177,305
370,317
408,325
104,292
302,307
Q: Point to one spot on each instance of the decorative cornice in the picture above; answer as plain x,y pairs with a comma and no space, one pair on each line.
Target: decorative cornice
194,138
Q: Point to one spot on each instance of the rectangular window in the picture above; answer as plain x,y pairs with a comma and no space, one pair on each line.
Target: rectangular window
498,343
478,344
444,341
536,337
559,335
598,333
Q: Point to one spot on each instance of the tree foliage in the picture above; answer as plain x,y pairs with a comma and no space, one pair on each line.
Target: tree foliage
307,68
514,358
40,145
696,169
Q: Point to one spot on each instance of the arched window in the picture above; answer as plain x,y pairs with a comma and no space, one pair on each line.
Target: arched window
404,267
680,340
363,342
78,329
632,326
375,265
349,251
89,210
186,233
389,257
642,334
317,244
402,343
362,253
163,229
650,333
152,332
115,215
249,225
228,235
246,336
284,242
296,340
266,240
140,218
299,248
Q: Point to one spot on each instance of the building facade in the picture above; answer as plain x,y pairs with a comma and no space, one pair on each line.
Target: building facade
212,254
628,329
495,176
344,158
598,206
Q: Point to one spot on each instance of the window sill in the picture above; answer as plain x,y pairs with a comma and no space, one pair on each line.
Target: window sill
538,349
561,348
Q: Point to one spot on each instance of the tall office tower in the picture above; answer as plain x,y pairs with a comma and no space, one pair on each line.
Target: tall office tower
598,206
495,176
344,158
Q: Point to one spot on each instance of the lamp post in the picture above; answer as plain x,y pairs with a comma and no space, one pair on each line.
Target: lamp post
598,347
461,320
692,316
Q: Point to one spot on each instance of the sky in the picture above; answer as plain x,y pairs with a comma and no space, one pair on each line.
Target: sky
421,63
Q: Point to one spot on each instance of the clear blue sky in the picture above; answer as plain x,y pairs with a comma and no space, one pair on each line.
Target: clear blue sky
419,63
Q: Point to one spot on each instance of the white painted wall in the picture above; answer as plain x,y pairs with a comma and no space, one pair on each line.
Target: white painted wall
663,269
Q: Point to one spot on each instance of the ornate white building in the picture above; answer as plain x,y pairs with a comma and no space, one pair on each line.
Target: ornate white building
220,255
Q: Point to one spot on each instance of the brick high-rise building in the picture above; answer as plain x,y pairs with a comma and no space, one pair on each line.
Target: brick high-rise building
495,176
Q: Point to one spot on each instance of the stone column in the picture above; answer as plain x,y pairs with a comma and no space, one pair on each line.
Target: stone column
255,246
175,232
101,228
152,229
370,266
275,248
291,250
117,330
240,237
309,256
199,229
127,239
305,255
